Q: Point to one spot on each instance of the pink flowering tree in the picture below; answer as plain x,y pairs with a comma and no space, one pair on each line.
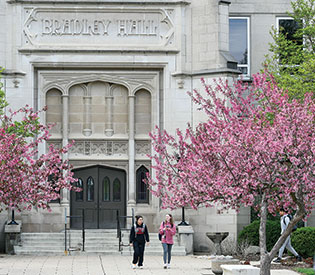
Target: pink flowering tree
257,149
29,179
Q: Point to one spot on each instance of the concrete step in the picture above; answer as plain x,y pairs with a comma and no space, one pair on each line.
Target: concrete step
96,242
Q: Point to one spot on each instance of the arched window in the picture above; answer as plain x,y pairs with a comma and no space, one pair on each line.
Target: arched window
79,195
106,189
116,190
90,189
142,189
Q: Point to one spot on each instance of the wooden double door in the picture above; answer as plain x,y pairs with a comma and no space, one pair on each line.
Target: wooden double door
103,193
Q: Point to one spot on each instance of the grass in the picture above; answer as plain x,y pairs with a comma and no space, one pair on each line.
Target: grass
308,271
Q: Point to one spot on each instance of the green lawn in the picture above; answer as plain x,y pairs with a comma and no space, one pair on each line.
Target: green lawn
308,271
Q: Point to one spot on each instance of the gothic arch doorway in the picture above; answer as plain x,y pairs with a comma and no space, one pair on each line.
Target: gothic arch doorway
104,192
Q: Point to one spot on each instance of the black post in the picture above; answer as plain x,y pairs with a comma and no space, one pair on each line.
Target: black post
12,219
133,216
117,220
183,217
83,230
66,238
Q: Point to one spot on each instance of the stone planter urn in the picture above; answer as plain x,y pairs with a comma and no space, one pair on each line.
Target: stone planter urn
217,238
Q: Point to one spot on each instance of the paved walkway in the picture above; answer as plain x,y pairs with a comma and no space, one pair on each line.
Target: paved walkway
103,265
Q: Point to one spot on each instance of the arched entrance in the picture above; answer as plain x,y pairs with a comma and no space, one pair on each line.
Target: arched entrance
104,192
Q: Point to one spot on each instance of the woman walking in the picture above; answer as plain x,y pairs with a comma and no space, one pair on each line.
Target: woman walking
139,236
167,230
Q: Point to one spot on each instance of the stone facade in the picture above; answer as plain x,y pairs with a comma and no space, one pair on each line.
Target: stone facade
109,71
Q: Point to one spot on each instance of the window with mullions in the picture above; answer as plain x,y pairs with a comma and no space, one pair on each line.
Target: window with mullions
106,189
142,189
90,189
288,27
53,179
79,195
239,42
116,190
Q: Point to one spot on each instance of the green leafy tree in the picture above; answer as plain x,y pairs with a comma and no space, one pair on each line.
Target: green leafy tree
3,102
292,58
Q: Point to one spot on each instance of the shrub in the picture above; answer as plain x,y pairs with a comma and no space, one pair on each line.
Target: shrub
303,241
250,233
308,271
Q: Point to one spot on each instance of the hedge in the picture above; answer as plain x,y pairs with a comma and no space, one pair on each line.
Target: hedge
303,241
250,233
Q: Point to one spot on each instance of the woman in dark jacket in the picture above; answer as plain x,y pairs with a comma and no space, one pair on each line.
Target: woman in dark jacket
139,236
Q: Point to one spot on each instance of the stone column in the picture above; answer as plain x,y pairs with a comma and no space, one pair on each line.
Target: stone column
109,130
65,126
132,193
87,130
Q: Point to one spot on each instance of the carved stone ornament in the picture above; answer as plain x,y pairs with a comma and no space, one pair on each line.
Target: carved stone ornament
56,144
99,148
98,28
143,148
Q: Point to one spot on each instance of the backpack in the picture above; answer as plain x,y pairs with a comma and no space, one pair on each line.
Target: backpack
159,235
290,217
142,229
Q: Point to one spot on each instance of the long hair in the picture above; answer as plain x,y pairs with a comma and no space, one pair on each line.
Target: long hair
138,217
171,219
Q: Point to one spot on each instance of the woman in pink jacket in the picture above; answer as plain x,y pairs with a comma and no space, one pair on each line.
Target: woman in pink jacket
167,230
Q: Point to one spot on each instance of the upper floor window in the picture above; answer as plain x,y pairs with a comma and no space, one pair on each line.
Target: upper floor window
239,42
288,27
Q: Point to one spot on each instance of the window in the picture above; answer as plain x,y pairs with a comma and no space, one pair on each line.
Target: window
90,189
106,189
79,195
52,180
142,189
116,190
239,42
289,27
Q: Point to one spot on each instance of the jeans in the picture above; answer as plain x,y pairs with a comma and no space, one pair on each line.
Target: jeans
138,253
167,249
287,244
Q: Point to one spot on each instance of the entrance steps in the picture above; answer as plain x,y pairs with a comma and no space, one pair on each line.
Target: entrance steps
100,241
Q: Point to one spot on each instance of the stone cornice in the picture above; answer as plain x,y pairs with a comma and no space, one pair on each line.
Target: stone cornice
95,50
13,73
107,2
206,72
226,2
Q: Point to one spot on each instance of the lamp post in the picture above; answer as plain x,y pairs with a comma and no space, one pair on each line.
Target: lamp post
12,219
183,222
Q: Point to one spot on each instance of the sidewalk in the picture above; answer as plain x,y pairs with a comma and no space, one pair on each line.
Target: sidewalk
104,265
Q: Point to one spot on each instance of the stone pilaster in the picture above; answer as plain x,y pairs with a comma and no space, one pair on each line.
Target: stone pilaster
87,129
109,130
65,126
132,189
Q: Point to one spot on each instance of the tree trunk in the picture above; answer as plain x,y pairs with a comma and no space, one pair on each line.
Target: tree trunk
265,265
265,261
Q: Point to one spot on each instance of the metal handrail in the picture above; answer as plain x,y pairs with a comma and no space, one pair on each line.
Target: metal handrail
119,227
83,229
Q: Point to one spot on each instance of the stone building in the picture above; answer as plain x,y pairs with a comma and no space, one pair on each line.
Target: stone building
109,71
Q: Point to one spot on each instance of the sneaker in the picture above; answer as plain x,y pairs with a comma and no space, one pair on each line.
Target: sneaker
298,258
277,260
165,266
134,266
168,266
141,266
